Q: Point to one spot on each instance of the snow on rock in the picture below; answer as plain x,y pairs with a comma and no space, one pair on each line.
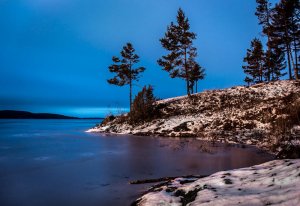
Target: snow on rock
272,183
247,115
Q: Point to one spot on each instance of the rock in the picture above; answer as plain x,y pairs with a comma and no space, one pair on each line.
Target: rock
289,152
183,127
255,114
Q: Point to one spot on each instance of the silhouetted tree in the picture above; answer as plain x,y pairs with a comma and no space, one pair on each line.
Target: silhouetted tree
143,107
263,12
126,74
196,72
248,80
295,32
254,62
277,63
178,41
285,29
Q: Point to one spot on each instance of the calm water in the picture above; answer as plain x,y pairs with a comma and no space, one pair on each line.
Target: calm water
54,162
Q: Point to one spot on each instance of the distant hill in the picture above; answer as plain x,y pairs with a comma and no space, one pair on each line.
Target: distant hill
13,114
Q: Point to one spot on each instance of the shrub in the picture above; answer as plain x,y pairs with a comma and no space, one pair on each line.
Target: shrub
108,119
143,107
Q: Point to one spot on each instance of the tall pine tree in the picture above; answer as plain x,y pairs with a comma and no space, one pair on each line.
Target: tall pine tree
295,33
263,12
254,60
284,30
277,63
196,72
178,40
126,74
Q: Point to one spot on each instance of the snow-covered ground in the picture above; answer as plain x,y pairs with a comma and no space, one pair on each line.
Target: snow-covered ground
246,115
273,183
265,115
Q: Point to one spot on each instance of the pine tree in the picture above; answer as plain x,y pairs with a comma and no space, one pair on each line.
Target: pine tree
123,67
277,63
196,72
295,33
248,80
143,107
263,12
254,62
285,28
178,40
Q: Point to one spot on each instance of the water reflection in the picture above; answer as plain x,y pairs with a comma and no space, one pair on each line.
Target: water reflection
63,165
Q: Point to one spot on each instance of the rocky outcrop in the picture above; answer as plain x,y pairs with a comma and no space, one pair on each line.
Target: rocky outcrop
265,115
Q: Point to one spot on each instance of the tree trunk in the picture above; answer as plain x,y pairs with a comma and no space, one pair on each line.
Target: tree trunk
268,60
269,47
288,50
289,61
130,95
260,72
130,88
296,68
186,74
193,88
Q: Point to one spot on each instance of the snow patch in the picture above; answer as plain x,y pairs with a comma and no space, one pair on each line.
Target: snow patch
272,183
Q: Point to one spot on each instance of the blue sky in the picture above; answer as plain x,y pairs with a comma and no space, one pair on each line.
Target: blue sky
55,53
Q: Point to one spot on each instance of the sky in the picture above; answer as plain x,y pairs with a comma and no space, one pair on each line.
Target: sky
54,54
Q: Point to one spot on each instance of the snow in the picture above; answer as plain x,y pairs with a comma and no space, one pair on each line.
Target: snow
160,198
241,115
272,183
238,115
97,129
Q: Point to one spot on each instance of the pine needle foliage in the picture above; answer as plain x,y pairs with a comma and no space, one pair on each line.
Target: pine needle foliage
124,69
143,107
180,61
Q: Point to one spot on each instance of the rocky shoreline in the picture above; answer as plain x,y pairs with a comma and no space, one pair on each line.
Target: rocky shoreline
265,115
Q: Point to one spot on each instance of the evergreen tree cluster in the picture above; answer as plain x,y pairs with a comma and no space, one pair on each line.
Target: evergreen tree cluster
281,25
143,106
180,62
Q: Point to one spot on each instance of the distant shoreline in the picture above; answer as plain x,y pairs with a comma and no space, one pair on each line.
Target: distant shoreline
14,114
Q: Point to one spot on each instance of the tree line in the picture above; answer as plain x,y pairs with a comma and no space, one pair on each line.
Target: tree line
180,62
281,28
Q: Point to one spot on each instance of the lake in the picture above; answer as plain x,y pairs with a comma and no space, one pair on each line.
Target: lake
55,162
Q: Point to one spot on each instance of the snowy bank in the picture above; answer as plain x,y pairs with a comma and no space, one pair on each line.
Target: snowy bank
273,183
259,115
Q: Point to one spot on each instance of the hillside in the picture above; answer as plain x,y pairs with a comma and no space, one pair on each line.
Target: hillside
13,114
265,115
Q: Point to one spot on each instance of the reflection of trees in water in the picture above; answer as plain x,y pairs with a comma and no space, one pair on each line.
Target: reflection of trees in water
205,148
180,146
